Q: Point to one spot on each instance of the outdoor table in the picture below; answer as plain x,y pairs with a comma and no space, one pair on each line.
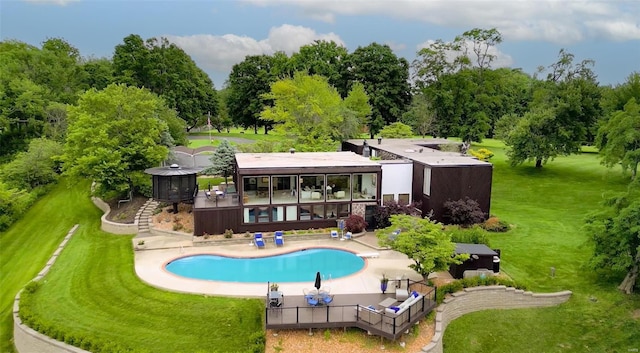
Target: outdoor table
387,302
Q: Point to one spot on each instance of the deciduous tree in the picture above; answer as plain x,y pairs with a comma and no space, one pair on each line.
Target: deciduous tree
36,167
619,138
423,241
114,135
615,232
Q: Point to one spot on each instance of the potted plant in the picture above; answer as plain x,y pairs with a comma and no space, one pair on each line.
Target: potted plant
274,287
140,244
384,282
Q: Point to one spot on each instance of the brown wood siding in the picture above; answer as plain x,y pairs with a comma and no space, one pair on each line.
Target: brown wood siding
454,183
216,220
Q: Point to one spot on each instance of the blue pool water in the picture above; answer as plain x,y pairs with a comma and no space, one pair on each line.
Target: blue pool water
298,266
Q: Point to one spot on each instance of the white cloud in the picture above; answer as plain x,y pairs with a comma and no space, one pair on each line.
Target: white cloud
557,21
501,59
220,53
52,2
396,46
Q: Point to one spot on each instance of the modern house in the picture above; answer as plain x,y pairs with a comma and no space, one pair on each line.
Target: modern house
417,170
283,191
302,190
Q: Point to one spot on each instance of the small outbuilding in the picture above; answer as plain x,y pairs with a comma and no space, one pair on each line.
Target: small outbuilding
481,257
174,184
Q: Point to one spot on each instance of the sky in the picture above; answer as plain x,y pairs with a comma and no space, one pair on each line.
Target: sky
218,34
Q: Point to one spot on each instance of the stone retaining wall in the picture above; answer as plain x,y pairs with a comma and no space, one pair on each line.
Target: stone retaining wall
28,340
113,227
483,298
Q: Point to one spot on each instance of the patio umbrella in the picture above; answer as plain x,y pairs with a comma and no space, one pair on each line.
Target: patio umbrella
318,281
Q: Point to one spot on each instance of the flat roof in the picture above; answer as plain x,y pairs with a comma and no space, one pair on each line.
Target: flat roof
414,149
302,159
474,249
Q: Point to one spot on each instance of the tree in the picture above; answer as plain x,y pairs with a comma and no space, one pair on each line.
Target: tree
320,58
532,138
385,79
420,116
36,167
619,139
615,232
223,161
114,135
396,130
248,83
563,110
310,111
165,69
423,241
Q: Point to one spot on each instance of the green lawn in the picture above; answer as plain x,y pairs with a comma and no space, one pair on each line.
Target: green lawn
547,208
92,290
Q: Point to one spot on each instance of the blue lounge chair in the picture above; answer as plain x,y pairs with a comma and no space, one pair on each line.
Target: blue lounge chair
279,238
258,240
312,301
334,234
326,298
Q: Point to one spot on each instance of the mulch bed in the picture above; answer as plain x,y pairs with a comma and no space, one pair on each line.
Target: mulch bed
125,212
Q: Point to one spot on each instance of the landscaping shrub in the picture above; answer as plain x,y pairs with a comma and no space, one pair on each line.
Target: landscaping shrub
355,224
473,235
228,233
482,154
382,213
494,224
460,284
464,212
15,202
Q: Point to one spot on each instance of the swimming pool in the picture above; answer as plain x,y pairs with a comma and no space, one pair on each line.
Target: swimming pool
298,266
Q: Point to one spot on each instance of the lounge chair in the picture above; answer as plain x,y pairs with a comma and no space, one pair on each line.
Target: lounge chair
326,298
279,238
348,235
334,234
259,240
312,301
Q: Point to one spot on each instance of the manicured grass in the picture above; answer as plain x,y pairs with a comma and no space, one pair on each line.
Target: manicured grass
200,143
92,291
31,241
241,133
204,182
547,207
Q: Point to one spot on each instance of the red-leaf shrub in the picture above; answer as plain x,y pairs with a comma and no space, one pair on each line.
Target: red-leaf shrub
355,224
464,212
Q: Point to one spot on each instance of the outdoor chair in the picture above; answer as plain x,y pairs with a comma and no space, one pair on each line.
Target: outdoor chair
326,298
279,238
334,234
312,301
348,235
259,240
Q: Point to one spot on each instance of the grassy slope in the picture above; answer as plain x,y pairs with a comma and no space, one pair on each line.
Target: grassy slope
548,207
29,243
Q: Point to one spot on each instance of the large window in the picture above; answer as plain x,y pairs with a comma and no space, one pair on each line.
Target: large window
426,187
312,188
285,189
403,199
364,186
255,190
338,187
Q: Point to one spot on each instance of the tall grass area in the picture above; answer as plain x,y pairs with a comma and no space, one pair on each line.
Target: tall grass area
547,208
92,292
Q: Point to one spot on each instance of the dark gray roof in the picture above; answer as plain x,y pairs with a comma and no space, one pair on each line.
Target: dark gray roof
172,170
477,249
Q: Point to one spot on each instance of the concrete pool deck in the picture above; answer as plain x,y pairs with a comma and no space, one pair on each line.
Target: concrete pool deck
150,262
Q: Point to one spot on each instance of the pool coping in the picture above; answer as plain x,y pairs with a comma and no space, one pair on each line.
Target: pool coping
149,266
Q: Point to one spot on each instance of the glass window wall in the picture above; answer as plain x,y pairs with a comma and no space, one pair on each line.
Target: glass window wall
364,186
312,188
255,190
338,187
285,189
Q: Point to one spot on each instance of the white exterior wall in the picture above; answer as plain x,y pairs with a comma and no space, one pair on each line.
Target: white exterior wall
397,178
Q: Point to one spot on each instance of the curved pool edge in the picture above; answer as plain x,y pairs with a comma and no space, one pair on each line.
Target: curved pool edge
149,267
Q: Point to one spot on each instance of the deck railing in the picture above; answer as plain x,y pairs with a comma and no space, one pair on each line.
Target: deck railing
377,322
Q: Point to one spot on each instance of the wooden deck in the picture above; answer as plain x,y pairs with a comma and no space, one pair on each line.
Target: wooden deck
295,313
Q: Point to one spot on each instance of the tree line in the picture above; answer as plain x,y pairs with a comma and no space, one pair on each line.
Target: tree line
110,118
